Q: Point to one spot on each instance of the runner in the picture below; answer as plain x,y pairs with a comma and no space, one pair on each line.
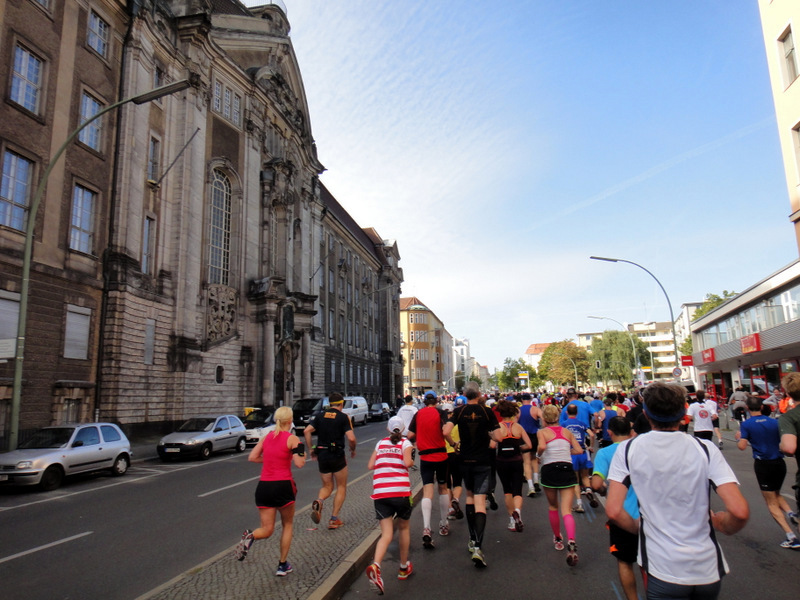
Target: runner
673,475
764,436
425,431
276,490
477,426
702,413
556,447
530,418
454,478
623,545
509,462
582,464
391,493
332,426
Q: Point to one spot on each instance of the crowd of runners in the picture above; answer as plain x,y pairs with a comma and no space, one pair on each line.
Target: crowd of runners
569,448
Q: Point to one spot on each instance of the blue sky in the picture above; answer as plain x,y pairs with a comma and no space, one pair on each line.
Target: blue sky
503,143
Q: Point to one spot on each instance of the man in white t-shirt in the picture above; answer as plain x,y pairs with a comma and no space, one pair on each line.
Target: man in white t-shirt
407,412
703,412
671,473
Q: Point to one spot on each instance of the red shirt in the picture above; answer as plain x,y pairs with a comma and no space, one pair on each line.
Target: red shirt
427,426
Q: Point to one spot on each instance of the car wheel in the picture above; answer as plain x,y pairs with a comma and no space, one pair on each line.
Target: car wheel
121,464
205,452
241,445
51,478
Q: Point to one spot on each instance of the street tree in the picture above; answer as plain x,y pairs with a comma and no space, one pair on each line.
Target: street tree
508,378
613,351
561,360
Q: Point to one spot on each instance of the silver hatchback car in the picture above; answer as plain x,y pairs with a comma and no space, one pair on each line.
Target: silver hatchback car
200,436
55,452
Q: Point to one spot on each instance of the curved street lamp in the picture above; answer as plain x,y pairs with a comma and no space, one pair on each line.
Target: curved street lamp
669,304
19,353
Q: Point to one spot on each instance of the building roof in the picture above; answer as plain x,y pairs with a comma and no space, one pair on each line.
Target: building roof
537,348
338,212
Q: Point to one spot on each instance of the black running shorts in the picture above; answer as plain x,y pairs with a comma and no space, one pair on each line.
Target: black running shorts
275,494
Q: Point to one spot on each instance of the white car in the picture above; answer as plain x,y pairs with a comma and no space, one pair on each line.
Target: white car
55,452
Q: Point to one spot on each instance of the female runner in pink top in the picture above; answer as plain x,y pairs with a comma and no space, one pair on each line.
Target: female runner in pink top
556,447
276,490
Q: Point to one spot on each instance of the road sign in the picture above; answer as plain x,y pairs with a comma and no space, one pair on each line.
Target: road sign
676,372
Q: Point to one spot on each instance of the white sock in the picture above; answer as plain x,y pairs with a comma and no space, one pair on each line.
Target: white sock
530,484
536,478
444,506
426,512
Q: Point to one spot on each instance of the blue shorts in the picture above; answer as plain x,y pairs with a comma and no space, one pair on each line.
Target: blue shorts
582,461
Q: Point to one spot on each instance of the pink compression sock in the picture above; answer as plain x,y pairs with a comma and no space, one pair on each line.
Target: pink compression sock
569,525
555,523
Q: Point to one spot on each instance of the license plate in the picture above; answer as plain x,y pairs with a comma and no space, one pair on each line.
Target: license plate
3,477
172,449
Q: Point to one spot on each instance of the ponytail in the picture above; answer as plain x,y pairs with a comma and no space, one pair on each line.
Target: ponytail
396,436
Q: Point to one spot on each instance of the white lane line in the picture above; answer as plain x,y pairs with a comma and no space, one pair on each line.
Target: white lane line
50,545
366,441
227,487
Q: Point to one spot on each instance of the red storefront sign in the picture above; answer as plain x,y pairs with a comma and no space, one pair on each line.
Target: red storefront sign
687,361
751,343
708,355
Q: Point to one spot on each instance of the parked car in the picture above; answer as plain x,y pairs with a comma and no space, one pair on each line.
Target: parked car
55,452
306,409
379,411
356,408
258,420
200,436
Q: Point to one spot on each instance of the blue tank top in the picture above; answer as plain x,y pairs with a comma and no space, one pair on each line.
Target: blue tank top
529,424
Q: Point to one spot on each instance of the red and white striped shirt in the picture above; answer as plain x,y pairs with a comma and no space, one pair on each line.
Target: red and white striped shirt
390,478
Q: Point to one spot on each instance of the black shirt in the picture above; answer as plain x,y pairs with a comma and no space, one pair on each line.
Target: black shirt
475,423
331,425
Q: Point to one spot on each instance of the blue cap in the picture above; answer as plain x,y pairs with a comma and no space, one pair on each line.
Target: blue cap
430,393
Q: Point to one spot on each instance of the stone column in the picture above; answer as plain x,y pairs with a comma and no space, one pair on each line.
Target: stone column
268,367
305,367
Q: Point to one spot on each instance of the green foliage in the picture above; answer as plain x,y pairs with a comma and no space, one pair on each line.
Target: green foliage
561,360
507,380
711,302
687,347
618,362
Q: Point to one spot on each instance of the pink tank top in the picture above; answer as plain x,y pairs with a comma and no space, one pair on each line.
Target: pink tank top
277,465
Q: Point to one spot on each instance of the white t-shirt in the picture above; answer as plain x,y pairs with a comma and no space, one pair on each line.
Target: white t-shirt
702,414
670,472
406,412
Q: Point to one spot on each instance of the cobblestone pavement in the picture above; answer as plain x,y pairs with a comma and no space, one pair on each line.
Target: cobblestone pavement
325,562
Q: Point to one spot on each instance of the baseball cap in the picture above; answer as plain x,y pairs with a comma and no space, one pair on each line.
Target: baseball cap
396,423
430,393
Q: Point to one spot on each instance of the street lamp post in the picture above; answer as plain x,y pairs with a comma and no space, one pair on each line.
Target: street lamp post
669,304
27,256
637,363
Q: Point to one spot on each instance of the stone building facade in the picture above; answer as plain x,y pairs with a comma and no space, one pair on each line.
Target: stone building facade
59,64
201,285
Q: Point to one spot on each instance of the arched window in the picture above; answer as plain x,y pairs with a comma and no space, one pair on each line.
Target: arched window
219,234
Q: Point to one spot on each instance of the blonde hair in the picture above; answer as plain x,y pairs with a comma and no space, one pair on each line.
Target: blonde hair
550,414
284,417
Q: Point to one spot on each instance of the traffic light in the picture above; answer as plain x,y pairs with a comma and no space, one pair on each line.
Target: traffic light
597,364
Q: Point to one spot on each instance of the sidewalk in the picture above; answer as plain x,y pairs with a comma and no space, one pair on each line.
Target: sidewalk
325,562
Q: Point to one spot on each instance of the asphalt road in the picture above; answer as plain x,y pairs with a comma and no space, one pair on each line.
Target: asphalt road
99,537
525,564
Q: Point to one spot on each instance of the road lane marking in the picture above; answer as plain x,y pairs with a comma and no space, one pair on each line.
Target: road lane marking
45,547
125,481
367,441
227,487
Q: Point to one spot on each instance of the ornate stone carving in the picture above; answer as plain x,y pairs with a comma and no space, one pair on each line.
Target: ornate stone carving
221,312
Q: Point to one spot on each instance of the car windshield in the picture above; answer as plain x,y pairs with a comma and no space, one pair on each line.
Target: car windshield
305,404
256,416
198,424
54,437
